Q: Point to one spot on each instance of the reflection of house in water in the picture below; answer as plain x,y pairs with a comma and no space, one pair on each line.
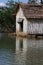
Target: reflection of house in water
29,52
24,44
21,48
21,44
29,18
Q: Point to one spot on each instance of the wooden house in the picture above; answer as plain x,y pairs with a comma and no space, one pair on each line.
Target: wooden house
29,18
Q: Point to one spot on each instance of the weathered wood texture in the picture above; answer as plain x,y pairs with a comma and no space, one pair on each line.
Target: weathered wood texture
30,10
21,15
35,27
32,25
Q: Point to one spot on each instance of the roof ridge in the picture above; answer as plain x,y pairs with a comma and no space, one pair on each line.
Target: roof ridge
30,4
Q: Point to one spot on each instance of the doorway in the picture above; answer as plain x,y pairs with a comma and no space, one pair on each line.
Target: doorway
20,22
21,26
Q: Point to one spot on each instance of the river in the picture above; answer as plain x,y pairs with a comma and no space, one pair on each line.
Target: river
20,51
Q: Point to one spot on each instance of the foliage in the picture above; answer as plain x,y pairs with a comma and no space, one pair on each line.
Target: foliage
35,1
31,1
42,1
7,23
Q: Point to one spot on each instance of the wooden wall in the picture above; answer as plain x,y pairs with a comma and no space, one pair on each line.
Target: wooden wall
35,26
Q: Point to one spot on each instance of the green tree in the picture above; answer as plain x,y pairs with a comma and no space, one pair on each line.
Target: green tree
10,22
31,1
6,19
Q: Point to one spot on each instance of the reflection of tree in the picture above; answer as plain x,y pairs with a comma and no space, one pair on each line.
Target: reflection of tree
7,43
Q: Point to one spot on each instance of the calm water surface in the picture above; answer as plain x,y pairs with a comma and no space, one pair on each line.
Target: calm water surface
16,51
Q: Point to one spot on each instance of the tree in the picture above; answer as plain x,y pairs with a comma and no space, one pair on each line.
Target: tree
10,22
31,1
6,20
42,1
35,1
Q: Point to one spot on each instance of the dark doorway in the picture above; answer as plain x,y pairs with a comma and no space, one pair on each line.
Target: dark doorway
20,22
21,26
